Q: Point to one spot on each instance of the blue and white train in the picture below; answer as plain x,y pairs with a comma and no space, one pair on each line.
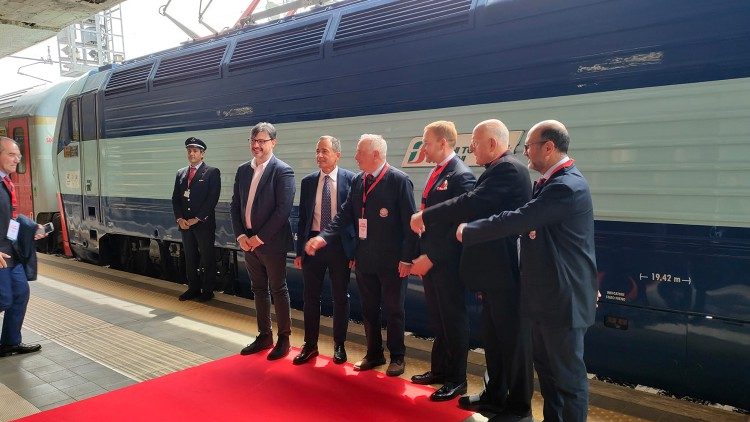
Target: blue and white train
656,95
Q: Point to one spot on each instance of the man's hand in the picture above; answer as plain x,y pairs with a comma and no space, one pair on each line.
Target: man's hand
254,242
460,232
3,264
421,265
298,262
193,221
244,242
417,223
314,244
38,235
404,269
183,223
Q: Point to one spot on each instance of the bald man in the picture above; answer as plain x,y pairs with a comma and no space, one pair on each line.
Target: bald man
491,269
558,268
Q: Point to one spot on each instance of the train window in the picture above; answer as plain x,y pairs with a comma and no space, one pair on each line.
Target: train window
88,116
68,125
20,137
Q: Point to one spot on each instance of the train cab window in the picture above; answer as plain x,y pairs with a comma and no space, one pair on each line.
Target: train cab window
88,116
20,137
69,125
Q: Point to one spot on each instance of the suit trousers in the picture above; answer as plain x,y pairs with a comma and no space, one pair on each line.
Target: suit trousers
14,297
268,280
392,290
558,359
446,305
333,259
507,347
198,242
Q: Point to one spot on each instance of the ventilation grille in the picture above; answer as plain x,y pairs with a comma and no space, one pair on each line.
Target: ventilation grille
196,65
399,18
128,80
291,44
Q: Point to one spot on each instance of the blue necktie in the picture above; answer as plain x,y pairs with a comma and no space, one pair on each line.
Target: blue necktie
325,204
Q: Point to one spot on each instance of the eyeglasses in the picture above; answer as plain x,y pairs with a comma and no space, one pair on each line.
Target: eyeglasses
260,142
526,146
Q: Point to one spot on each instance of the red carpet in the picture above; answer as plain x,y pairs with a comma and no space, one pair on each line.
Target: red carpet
252,388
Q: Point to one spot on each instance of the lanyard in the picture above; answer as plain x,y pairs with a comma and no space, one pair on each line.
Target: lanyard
372,186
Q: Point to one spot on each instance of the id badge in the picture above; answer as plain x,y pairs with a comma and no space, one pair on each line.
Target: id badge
186,194
13,230
363,228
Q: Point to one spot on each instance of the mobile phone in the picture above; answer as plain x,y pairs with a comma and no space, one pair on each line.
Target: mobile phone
46,229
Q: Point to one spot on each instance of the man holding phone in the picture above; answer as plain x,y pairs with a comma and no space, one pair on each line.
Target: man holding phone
14,285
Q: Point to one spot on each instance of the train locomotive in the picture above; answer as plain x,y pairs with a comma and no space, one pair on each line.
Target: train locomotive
655,95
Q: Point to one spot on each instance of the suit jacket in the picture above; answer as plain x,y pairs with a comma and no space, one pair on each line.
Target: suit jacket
438,241
308,190
504,185
271,208
204,194
390,206
558,263
6,212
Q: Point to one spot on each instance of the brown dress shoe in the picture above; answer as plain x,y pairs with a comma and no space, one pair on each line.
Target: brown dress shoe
368,363
396,368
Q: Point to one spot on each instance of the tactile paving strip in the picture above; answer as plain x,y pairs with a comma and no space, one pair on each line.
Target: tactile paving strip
129,353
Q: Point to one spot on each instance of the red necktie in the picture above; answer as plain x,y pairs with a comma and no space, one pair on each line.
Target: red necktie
13,197
191,173
430,183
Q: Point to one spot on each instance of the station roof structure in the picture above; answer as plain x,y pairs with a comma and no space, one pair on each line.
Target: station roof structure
24,23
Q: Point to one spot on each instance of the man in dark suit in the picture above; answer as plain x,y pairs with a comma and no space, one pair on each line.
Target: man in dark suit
438,265
261,205
558,268
379,204
14,286
321,196
492,270
194,198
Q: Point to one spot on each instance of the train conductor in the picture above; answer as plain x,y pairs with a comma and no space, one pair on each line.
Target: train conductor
194,198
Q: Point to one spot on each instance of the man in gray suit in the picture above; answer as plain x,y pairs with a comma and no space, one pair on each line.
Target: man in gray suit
558,268
261,205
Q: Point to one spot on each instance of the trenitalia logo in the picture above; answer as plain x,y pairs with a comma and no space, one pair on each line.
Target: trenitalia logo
415,157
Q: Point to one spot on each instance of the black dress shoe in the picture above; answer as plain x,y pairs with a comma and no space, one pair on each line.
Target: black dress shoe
449,391
307,353
479,403
339,354
19,349
368,363
262,342
205,296
427,378
280,350
189,294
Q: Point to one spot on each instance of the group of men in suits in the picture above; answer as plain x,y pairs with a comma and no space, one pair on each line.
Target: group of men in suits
17,255
527,253
534,312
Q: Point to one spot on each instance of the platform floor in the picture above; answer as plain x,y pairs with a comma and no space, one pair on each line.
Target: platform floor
103,329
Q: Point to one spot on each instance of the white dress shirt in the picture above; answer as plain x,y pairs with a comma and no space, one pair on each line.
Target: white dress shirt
319,197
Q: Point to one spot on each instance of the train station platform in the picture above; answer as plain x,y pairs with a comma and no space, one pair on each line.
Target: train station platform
104,332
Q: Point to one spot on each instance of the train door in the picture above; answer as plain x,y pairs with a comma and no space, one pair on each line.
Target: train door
90,167
18,129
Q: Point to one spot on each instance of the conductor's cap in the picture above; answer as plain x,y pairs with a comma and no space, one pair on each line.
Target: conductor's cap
195,142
